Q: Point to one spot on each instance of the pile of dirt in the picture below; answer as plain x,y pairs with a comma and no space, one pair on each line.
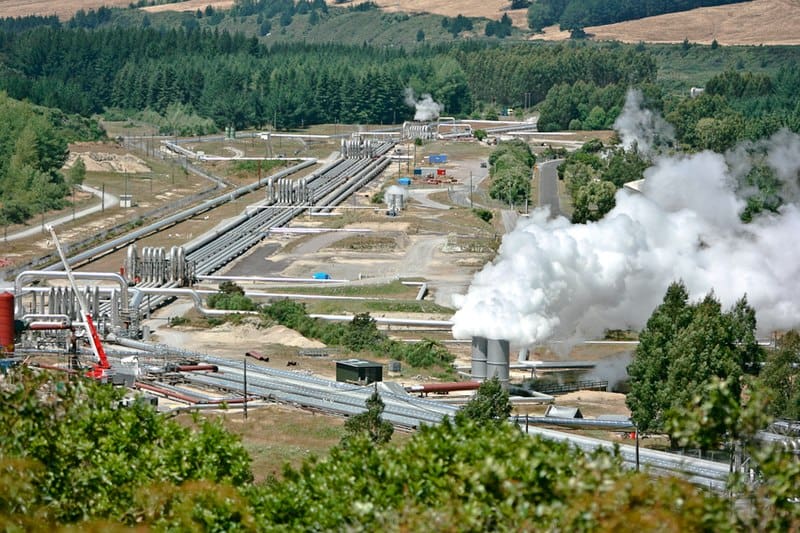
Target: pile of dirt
234,338
287,337
106,162
596,402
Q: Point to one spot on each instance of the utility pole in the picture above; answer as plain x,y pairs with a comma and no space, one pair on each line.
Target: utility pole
470,189
245,387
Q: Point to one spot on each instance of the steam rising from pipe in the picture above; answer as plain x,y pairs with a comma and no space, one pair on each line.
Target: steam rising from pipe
426,108
555,279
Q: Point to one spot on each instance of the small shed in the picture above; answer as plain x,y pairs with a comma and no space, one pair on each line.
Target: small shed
359,371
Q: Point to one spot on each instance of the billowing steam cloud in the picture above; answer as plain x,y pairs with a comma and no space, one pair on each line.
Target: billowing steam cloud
554,279
426,108
640,127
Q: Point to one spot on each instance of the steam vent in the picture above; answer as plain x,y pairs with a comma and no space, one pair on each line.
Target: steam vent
490,358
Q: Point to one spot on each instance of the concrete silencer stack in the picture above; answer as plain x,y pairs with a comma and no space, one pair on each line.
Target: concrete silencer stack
479,357
497,362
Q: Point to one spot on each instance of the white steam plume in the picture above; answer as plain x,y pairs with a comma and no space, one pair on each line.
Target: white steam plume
426,108
641,128
395,190
554,279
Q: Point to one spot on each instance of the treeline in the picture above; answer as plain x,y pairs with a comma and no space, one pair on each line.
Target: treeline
33,147
237,81
20,24
508,74
359,335
577,14
737,106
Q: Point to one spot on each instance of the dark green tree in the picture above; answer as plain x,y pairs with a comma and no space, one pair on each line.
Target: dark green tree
369,424
682,348
781,377
77,173
592,201
489,405
361,333
648,400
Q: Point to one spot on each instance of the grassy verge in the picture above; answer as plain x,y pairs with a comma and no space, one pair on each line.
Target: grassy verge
396,306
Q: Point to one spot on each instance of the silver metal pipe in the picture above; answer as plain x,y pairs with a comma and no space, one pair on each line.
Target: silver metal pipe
46,317
24,277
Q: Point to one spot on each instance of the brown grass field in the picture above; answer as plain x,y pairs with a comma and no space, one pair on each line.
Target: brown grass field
769,22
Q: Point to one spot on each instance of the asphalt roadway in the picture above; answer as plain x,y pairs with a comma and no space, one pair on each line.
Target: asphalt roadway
548,186
108,201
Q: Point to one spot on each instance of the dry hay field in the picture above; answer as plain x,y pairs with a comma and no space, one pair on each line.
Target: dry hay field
66,8
63,9
191,5
490,9
768,22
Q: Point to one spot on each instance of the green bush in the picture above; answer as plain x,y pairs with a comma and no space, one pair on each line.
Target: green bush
232,302
90,457
483,214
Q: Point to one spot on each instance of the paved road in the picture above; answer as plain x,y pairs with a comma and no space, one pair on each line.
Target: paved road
109,201
421,196
548,186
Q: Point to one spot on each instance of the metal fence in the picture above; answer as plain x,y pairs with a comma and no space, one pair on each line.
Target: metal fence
563,388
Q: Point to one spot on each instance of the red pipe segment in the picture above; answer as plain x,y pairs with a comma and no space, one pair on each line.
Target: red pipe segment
444,387
41,326
257,355
46,366
184,397
166,393
196,368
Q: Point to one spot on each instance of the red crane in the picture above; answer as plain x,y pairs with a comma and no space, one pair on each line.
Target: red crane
100,368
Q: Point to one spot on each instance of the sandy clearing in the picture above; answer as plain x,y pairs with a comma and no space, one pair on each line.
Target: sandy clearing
106,162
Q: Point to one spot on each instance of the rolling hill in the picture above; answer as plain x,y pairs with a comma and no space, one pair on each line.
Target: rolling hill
769,22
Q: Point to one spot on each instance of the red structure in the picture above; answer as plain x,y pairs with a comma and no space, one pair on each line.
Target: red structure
6,322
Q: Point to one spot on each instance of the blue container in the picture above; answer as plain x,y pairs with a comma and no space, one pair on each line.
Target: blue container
404,181
418,172
321,275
